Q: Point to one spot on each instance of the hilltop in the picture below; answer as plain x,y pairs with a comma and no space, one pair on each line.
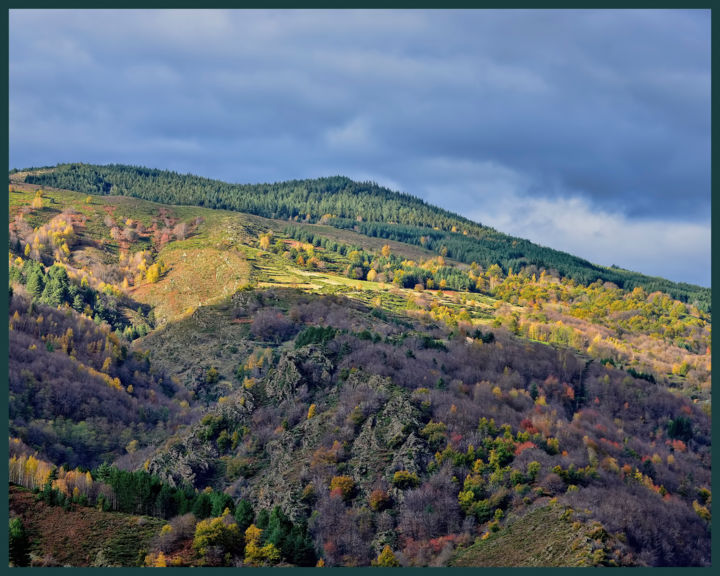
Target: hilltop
363,206
324,371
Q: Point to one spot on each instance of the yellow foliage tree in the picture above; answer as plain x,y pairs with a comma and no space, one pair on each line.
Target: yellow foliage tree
153,273
265,240
156,560
222,532
386,558
342,485
256,555
38,200
681,369
160,561
403,479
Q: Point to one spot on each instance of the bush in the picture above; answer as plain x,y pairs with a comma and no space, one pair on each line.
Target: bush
379,500
271,325
435,433
315,335
344,486
403,479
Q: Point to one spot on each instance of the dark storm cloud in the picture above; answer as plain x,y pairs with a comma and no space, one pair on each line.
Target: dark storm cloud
472,110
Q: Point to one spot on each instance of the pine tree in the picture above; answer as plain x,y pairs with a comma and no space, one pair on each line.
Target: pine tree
18,547
35,282
244,514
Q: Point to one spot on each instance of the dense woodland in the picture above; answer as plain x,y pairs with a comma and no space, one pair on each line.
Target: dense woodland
76,391
347,402
346,395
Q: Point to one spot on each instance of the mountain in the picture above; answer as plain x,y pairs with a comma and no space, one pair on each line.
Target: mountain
367,207
327,372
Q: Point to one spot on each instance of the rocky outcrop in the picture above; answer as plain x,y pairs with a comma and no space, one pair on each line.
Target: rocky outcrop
190,458
186,460
306,366
386,442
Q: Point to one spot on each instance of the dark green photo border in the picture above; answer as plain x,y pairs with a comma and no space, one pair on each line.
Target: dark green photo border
345,4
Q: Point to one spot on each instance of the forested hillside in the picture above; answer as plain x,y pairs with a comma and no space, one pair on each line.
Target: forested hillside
326,373
366,207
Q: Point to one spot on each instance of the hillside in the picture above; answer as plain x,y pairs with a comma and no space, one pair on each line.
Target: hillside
367,207
350,394
540,537
89,537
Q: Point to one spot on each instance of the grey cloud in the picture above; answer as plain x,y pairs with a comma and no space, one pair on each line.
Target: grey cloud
612,107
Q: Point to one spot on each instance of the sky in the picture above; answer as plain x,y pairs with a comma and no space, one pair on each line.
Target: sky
586,131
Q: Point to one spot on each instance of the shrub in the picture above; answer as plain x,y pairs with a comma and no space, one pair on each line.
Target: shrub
403,479
379,500
343,486
315,335
435,434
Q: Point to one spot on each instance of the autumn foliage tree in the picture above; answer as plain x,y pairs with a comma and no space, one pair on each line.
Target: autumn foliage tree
265,240
403,479
216,537
386,559
343,486
37,202
379,500
257,554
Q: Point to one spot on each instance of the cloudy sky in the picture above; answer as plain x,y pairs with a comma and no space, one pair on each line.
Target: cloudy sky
586,131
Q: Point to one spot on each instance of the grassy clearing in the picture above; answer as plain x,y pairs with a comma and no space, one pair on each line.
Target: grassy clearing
544,536
195,277
82,536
